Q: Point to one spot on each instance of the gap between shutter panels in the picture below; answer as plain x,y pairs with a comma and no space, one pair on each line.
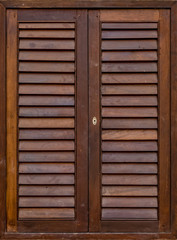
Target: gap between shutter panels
46,121
129,121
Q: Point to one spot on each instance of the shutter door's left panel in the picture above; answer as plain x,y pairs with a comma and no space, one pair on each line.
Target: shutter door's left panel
49,170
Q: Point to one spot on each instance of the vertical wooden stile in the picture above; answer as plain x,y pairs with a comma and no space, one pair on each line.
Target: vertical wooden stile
94,130
11,200
164,120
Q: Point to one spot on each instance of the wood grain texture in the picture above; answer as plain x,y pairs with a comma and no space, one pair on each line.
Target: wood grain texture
141,78
46,157
47,179
129,179
138,15
164,122
46,77
94,130
50,112
82,113
11,195
129,134
43,213
124,123
129,157
117,213
122,202
2,121
173,120
46,202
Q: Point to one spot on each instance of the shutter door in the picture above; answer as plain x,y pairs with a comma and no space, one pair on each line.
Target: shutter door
51,152
133,160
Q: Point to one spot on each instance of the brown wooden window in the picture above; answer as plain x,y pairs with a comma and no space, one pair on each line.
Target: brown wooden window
89,122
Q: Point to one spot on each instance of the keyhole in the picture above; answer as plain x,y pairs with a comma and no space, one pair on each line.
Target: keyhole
94,121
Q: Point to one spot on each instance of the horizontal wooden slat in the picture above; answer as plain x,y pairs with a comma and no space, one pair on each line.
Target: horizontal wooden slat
129,100
46,134
129,146
129,67
129,134
46,123
130,16
46,145
47,44
129,89
42,213
118,213
46,202
142,78
47,179
47,112
130,34
129,25
128,44
129,157
149,168
46,157
122,202
44,25
129,112
129,179
46,78
45,100
46,89
46,33
46,190
129,191
124,123
129,56
46,167
46,55
46,67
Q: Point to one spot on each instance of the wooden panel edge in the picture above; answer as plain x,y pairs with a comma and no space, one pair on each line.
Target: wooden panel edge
164,121
174,119
136,15
2,120
11,199
82,122
94,130
86,4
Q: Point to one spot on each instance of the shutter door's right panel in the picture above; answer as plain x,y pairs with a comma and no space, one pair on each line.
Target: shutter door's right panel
133,117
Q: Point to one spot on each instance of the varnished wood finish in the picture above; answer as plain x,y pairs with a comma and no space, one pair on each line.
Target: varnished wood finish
164,122
2,121
173,120
146,229
11,199
87,4
94,130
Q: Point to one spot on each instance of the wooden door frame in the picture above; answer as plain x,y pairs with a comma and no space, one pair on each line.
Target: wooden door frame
14,4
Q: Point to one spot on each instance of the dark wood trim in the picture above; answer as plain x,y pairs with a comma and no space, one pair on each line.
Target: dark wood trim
86,4
174,119
164,120
94,130
129,226
82,122
31,15
91,236
2,120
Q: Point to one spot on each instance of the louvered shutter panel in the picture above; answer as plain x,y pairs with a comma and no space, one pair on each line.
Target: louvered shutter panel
131,112
51,167
129,121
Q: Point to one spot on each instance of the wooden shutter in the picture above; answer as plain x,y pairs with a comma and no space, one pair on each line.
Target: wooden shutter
129,77
47,123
